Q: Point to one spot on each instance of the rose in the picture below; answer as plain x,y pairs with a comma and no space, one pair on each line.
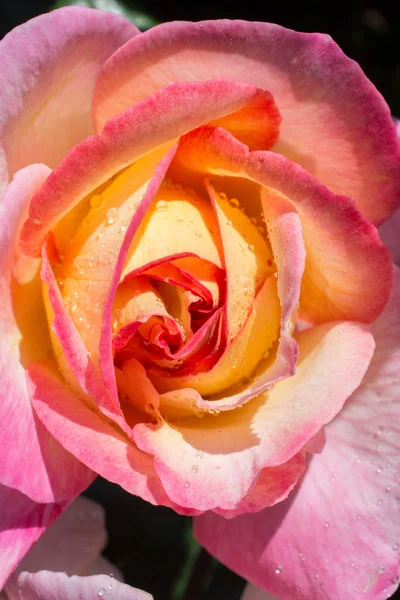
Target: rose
201,257
66,563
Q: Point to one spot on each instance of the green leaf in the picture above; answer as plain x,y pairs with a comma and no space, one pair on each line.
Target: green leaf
142,20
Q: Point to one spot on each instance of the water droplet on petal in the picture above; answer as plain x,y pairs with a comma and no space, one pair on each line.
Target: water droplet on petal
327,525
251,247
162,205
101,592
278,570
234,202
111,215
95,201
388,489
186,484
194,468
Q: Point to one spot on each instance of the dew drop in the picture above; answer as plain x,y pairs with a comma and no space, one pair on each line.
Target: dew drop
186,484
254,221
122,228
95,201
327,525
194,468
251,247
234,202
388,489
162,205
278,570
101,592
111,215
381,569
199,454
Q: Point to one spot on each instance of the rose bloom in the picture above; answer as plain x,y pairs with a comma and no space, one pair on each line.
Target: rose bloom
193,287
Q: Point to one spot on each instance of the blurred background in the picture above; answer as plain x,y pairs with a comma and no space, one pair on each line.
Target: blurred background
153,546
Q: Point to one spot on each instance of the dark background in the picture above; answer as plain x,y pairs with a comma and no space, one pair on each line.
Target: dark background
152,545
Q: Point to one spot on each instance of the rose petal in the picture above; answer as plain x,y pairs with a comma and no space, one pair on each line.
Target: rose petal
22,522
44,108
156,121
95,442
47,585
33,461
334,122
70,545
213,462
73,358
272,486
345,256
327,549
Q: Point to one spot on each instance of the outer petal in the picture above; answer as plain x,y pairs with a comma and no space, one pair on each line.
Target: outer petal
93,440
70,545
32,461
22,522
213,462
46,585
45,105
334,122
317,548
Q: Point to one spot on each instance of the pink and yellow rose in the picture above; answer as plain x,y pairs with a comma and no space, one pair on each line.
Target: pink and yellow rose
193,286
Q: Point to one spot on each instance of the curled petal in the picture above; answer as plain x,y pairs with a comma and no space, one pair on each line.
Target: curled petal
91,439
158,120
334,122
214,461
345,256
